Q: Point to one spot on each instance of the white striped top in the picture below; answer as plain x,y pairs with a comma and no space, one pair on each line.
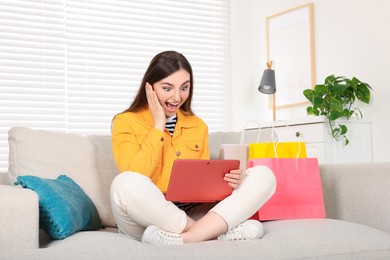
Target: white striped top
170,124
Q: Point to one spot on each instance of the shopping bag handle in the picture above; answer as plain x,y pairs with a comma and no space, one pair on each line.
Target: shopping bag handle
276,140
276,147
242,138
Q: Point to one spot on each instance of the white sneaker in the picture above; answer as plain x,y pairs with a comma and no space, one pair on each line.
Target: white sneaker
247,230
155,236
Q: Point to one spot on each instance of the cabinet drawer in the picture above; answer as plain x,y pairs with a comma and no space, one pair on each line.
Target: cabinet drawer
309,133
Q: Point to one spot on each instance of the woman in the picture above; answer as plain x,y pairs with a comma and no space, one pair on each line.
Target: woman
156,129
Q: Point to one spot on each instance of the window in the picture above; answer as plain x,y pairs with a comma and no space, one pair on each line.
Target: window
71,65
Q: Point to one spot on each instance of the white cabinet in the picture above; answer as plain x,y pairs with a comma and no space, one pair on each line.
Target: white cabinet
315,132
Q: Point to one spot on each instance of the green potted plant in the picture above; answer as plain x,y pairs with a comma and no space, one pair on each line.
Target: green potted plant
335,99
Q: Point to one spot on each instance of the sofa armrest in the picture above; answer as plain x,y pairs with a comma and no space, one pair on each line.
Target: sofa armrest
358,193
3,178
19,218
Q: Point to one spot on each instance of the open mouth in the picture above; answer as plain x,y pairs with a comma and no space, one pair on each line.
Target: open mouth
171,107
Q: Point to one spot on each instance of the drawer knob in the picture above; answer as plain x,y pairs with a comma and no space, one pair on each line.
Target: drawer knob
297,134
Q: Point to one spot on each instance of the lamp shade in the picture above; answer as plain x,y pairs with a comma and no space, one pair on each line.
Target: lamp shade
267,83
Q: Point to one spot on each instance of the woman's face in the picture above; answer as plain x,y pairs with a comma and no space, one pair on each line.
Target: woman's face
173,91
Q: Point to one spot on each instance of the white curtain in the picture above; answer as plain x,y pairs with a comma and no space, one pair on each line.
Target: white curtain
71,65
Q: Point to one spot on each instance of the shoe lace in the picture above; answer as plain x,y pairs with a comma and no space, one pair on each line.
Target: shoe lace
169,238
237,233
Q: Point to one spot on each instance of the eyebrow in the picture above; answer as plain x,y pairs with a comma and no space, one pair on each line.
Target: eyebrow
170,84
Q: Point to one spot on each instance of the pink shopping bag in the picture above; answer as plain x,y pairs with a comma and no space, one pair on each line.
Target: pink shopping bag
298,189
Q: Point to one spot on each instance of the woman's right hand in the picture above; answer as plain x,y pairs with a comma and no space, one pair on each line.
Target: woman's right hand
155,108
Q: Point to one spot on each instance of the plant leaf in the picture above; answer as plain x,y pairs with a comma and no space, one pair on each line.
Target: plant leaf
309,94
363,93
343,129
355,82
321,90
335,105
318,102
329,79
310,110
334,115
338,89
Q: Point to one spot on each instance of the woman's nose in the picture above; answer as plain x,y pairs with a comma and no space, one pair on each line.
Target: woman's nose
176,95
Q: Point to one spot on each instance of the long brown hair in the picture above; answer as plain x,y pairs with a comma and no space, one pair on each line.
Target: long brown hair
161,66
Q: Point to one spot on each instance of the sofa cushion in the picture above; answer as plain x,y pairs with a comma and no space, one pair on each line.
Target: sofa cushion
64,208
88,160
324,239
285,239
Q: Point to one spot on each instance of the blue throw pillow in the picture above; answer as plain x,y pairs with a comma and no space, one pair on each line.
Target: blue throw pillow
64,208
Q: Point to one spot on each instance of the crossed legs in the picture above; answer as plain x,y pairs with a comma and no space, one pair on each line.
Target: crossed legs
137,203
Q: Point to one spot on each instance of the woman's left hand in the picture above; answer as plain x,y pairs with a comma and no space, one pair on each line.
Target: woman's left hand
234,178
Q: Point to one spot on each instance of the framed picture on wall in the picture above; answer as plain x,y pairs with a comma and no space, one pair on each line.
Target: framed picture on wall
290,46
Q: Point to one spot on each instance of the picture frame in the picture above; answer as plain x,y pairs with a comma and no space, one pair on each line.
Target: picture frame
290,47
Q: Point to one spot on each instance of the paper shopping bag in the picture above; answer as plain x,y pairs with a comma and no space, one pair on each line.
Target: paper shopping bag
298,189
235,151
239,151
279,150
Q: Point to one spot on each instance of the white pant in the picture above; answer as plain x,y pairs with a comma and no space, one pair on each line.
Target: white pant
137,202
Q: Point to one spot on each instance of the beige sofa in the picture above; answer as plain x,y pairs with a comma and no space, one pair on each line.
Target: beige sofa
356,200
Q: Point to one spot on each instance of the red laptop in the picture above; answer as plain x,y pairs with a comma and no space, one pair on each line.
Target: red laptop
200,180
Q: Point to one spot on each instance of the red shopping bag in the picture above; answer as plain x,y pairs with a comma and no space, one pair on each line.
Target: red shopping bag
298,189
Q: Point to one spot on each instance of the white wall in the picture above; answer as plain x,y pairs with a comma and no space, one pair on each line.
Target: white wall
351,39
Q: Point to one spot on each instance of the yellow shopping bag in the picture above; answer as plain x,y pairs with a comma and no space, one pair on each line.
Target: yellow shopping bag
276,149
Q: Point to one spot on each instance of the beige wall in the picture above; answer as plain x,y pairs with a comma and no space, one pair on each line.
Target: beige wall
352,38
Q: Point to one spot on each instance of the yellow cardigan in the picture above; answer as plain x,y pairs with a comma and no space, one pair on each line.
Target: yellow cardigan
139,147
